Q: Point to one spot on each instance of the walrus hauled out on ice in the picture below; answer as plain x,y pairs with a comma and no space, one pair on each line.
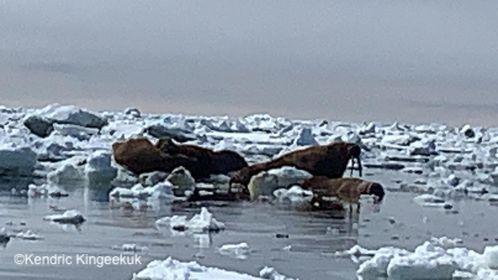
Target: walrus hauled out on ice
206,161
325,160
142,156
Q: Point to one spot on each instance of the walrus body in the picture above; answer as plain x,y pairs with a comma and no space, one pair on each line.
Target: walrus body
345,189
326,160
206,161
141,156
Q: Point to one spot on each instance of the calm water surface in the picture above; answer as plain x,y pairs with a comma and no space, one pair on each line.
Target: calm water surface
312,236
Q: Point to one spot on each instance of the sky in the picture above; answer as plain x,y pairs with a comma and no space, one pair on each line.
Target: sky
416,61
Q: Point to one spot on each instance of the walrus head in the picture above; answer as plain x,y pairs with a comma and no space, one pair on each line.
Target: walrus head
354,152
167,145
241,179
376,190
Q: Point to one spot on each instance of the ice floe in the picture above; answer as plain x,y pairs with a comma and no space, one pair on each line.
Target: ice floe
266,182
199,223
68,114
174,269
295,196
28,235
159,190
99,169
70,145
184,183
17,159
439,259
239,251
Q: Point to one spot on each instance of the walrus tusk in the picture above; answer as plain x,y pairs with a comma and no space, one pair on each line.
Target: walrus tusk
359,166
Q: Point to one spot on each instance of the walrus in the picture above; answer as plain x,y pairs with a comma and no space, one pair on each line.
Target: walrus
345,189
206,161
142,156
325,160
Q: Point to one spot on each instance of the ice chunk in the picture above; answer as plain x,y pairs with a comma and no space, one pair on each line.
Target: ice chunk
355,251
76,131
199,223
452,180
272,274
238,251
66,173
16,160
266,182
133,112
446,242
159,190
305,138
377,265
68,217
171,269
491,256
162,131
427,262
423,148
467,131
28,235
296,196
39,126
152,178
367,129
182,180
45,190
69,114
98,168
264,122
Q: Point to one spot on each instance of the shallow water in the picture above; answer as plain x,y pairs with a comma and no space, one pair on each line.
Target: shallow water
312,236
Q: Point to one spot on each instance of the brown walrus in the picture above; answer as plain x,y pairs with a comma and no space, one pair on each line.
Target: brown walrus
326,160
206,161
346,189
141,156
